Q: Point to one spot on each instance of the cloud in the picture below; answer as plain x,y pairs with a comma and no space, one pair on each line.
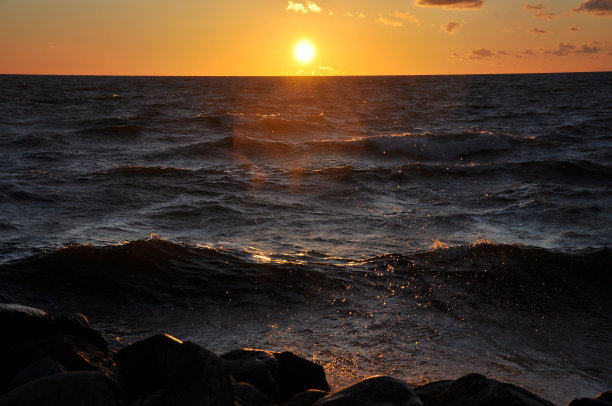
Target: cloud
595,7
586,49
528,6
451,27
538,31
480,53
358,15
574,29
389,22
568,49
452,4
305,8
541,11
404,15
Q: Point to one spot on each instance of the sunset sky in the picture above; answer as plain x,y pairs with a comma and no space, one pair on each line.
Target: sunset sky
257,37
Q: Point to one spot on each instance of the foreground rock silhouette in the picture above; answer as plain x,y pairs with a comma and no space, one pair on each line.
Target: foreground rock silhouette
55,360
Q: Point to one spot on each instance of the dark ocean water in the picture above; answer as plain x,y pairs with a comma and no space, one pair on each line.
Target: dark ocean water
419,226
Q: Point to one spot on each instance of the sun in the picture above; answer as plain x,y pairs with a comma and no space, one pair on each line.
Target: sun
304,51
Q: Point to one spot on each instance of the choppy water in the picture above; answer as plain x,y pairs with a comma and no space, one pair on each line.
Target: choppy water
379,224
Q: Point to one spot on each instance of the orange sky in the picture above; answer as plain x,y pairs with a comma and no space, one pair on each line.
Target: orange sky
256,37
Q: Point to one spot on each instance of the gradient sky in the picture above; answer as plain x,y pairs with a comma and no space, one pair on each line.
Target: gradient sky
256,37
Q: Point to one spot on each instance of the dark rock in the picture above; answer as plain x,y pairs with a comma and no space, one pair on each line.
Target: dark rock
187,373
477,390
203,382
427,391
306,398
605,396
256,367
30,324
588,402
38,369
298,374
68,389
246,394
375,391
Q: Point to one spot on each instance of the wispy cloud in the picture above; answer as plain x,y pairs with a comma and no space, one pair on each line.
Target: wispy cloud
541,11
305,8
451,27
358,15
574,29
595,7
389,22
480,53
404,15
452,4
538,31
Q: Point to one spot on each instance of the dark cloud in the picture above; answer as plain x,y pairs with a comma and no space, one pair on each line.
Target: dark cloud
568,49
538,31
596,7
574,29
480,53
586,49
456,4
451,27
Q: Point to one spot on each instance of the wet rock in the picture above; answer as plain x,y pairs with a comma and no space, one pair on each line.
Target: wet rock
246,394
298,374
588,402
477,390
187,373
30,324
256,367
68,389
375,391
279,376
306,398
36,370
427,391
605,396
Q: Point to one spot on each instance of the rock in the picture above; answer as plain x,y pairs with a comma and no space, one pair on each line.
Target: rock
477,390
427,391
306,398
375,391
256,367
187,373
203,382
30,324
605,396
298,374
38,369
246,394
588,402
68,389
279,376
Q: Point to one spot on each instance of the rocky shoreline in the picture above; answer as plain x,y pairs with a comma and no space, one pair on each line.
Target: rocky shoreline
59,360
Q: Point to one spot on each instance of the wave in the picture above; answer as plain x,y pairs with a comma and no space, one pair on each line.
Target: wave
159,271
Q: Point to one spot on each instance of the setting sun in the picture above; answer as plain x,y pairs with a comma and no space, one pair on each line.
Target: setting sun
304,51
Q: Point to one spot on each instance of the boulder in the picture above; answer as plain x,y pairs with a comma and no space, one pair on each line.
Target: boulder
605,396
246,394
298,374
427,391
306,398
36,370
256,367
68,389
185,372
374,391
588,402
30,324
477,390
279,376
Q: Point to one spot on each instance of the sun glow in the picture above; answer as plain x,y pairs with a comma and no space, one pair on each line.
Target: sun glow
304,51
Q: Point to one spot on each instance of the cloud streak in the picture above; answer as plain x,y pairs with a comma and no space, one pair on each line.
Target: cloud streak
451,27
452,4
541,11
595,7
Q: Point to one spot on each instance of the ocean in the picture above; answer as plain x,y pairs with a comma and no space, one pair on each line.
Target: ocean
418,226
